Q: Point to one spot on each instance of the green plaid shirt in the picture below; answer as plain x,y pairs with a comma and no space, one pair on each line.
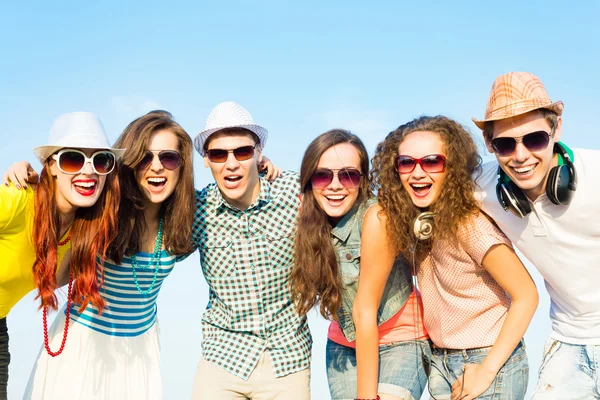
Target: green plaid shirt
247,257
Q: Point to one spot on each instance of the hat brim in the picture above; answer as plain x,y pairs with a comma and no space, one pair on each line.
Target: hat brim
258,130
556,107
43,152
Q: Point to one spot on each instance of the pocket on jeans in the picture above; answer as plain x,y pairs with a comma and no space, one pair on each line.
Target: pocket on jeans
550,349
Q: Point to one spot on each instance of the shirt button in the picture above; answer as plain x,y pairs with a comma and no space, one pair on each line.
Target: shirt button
348,256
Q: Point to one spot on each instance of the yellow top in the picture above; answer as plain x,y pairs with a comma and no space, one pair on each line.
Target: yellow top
17,253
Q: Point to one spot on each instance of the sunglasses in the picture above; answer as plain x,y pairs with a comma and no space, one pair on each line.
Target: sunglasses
73,161
170,159
241,154
348,177
535,141
431,163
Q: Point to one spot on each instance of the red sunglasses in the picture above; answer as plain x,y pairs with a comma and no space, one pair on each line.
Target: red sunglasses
431,163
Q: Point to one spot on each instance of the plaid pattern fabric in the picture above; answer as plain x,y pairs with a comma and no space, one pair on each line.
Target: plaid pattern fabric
517,93
246,258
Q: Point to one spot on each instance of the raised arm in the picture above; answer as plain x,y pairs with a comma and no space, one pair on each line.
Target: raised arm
273,172
20,173
376,261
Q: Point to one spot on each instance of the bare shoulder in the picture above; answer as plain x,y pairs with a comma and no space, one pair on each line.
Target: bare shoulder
375,220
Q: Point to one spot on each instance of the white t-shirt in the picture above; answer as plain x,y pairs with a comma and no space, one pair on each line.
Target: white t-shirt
563,243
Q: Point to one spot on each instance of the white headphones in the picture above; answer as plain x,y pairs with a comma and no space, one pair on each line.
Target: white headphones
423,227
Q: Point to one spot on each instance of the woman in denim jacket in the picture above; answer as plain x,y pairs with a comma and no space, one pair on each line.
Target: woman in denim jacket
339,222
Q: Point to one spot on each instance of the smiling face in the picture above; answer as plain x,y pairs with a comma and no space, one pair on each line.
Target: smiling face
336,199
527,169
156,182
80,190
423,187
237,180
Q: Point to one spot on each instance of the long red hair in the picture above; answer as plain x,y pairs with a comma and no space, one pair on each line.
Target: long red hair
91,232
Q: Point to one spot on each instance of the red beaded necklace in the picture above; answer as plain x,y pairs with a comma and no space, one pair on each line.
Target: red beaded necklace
66,329
65,241
67,313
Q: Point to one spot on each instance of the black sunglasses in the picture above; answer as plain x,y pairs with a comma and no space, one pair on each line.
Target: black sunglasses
220,155
170,159
534,141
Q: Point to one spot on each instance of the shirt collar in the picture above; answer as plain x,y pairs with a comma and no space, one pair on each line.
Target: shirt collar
345,226
264,196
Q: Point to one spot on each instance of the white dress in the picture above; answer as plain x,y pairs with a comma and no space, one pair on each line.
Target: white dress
115,355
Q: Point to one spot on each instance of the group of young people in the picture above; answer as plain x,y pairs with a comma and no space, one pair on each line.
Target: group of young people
411,259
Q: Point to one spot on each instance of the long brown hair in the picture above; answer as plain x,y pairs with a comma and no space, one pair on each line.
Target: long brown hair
316,274
177,210
455,202
91,233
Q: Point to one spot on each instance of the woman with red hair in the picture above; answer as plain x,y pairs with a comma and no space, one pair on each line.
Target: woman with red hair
115,352
71,214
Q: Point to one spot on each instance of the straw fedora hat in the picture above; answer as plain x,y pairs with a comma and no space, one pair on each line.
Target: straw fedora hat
229,115
78,130
517,93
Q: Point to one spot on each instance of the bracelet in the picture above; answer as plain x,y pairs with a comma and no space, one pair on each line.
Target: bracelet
376,398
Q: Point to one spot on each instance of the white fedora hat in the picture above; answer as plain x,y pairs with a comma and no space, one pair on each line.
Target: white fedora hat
79,130
229,115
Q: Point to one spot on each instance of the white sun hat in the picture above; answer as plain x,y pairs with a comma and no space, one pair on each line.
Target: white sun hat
78,130
228,115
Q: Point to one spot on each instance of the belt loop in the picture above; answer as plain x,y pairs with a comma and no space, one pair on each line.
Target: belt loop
465,354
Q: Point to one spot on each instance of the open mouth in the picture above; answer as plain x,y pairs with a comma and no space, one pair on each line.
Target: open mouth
524,171
336,200
421,189
157,182
85,187
234,178
232,181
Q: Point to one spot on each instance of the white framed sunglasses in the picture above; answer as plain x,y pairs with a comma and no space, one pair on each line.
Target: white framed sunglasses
72,161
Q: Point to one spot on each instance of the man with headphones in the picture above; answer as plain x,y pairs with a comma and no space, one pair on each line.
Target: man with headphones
546,198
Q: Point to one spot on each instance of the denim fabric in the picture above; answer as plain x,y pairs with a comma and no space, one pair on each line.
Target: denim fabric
401,369
4,359
447,365
569,372
346,238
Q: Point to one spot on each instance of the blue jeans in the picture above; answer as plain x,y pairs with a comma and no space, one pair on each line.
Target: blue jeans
447,365
401,369
569,372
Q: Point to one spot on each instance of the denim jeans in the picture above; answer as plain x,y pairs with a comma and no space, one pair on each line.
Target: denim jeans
4,359
447,365
569,372
401,369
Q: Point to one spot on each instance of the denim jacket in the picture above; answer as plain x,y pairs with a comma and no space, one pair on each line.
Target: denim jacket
346,236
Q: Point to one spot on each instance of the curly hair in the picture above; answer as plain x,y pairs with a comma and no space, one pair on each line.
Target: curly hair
315,277
456,201
177,209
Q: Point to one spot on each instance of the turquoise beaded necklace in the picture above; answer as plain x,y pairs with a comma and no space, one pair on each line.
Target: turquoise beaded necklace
154,260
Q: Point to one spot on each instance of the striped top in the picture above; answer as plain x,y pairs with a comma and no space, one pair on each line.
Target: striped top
127,312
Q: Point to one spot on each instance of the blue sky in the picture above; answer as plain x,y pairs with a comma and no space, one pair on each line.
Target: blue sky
300,68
